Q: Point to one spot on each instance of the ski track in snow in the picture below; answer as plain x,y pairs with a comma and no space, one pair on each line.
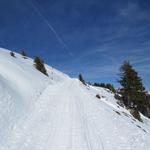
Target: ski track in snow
65,117
59,121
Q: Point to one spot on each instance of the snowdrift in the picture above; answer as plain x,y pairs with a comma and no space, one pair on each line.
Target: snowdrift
60,113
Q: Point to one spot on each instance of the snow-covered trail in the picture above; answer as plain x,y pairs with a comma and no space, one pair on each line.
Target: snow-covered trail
67,117
57,122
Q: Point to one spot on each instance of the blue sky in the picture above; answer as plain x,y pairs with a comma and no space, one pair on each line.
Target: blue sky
92,37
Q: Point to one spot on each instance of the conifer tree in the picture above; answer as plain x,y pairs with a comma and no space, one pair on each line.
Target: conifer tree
81,79
110,87
12,54
23,54
133,91
39,64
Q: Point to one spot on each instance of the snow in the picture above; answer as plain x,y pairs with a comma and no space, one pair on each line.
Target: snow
60,113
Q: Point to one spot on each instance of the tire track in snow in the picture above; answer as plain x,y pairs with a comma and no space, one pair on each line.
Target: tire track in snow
53,133
63,125
93,125
52,130
84,117
71,125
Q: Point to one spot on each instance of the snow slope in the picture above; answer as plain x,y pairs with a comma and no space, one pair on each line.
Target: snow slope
59,113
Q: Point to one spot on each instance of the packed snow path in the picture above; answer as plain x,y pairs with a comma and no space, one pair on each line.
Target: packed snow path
57,122
66,118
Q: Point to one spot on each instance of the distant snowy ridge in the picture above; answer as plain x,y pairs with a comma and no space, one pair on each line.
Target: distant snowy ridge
60,113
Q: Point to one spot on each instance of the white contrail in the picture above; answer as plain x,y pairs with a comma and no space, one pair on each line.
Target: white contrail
49,26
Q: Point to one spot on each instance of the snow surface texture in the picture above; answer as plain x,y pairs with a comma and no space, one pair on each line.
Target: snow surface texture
60,113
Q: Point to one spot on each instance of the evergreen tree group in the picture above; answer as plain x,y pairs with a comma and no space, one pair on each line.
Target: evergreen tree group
132,91
39,64
105,85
